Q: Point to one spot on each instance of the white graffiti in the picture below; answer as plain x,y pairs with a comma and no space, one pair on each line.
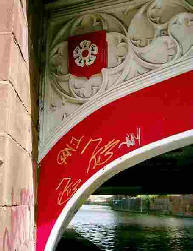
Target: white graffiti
132,139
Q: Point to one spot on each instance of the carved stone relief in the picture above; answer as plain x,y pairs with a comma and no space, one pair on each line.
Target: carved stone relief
79,89
140,40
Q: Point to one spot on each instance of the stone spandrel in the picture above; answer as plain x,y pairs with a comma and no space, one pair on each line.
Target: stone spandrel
151,43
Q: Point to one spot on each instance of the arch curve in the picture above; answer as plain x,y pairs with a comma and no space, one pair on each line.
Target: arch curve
122,163
123,133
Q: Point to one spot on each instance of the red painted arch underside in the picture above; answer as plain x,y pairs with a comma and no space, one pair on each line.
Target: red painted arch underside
159,111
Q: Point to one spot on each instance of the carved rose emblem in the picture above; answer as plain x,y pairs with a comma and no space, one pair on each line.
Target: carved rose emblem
87,54
84,54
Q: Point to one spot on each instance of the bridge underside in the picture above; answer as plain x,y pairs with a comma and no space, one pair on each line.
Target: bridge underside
169,173
129,98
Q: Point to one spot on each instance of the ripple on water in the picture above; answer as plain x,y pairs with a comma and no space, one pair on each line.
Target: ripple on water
120,231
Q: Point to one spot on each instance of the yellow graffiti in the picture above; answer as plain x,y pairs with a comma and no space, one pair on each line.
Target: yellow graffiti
100,155
65,153
67,188
76,142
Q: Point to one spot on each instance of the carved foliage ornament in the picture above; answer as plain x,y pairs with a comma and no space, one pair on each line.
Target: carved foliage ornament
108,31
159,34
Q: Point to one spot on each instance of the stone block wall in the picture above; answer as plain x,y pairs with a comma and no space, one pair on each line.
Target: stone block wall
19,81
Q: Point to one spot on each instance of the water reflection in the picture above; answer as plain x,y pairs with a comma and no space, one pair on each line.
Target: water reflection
119,231
96,223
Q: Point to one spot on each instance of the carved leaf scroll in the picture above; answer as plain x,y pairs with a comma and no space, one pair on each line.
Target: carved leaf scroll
155,35
81,89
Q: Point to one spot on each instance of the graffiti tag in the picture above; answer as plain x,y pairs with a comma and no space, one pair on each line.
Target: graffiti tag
68,150
67,188
132,139
101,154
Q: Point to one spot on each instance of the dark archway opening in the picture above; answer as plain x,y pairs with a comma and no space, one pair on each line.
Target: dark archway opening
169,173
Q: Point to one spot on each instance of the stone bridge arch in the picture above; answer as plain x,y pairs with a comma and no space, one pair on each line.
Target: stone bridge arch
124,162
115,137
137,107
89,127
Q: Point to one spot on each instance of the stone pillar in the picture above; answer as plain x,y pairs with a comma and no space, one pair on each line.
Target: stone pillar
16,130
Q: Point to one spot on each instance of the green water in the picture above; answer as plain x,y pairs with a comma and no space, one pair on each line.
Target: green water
120,231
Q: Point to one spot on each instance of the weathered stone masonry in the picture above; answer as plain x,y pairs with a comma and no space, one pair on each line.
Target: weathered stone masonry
19,78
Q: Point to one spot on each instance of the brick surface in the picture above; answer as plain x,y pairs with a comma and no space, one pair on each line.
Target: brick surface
13,68
24,7
2,166
5,226
20,28
5,54
15,120
19,76
16,229
4,106
13,20
16,173
6,15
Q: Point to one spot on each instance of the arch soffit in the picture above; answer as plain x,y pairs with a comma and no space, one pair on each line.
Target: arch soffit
120,164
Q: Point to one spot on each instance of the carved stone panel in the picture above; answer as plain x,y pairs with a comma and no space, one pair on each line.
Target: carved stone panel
146,40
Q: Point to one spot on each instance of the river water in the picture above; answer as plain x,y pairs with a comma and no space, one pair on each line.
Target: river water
120,231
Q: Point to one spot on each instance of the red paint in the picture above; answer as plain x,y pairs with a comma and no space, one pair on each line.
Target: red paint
85,53
159,111
97,38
